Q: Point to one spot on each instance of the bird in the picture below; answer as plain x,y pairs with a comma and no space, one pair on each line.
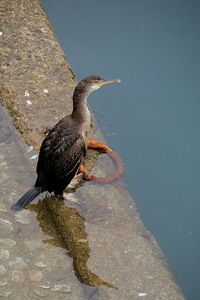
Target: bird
64,148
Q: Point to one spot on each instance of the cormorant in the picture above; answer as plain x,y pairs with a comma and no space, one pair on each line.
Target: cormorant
64,148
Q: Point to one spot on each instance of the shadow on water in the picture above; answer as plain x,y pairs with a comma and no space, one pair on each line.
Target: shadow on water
68,231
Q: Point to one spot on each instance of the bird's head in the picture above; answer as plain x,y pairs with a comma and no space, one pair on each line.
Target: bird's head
92,83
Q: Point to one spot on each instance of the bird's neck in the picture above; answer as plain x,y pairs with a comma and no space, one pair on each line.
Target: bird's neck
80,108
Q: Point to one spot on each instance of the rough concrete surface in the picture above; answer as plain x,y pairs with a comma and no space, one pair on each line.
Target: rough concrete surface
110,253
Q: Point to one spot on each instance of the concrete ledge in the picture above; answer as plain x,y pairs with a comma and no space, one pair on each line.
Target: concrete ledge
109,245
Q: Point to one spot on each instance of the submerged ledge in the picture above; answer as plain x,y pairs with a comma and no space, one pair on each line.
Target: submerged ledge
103,233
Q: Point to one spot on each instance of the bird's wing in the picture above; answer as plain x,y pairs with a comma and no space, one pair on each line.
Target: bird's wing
62,150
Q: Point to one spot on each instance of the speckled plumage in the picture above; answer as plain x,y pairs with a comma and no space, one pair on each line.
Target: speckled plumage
60,156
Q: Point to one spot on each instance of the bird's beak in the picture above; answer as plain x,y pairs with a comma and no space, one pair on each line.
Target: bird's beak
104,82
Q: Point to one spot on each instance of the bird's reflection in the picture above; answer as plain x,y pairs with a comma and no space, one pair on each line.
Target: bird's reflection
67,228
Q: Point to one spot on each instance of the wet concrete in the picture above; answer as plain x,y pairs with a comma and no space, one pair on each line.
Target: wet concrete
110,253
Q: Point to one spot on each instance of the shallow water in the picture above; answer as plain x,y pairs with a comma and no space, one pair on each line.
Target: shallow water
152,118
42,256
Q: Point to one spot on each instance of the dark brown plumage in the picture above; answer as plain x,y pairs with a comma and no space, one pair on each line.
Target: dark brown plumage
64,148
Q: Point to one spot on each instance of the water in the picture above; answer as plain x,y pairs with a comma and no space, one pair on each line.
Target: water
152,118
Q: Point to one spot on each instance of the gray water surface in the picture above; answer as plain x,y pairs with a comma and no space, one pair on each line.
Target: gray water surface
152,118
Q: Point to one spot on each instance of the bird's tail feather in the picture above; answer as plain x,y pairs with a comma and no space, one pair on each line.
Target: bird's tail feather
26,198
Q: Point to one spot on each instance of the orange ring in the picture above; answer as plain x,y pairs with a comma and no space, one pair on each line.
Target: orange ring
119,170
